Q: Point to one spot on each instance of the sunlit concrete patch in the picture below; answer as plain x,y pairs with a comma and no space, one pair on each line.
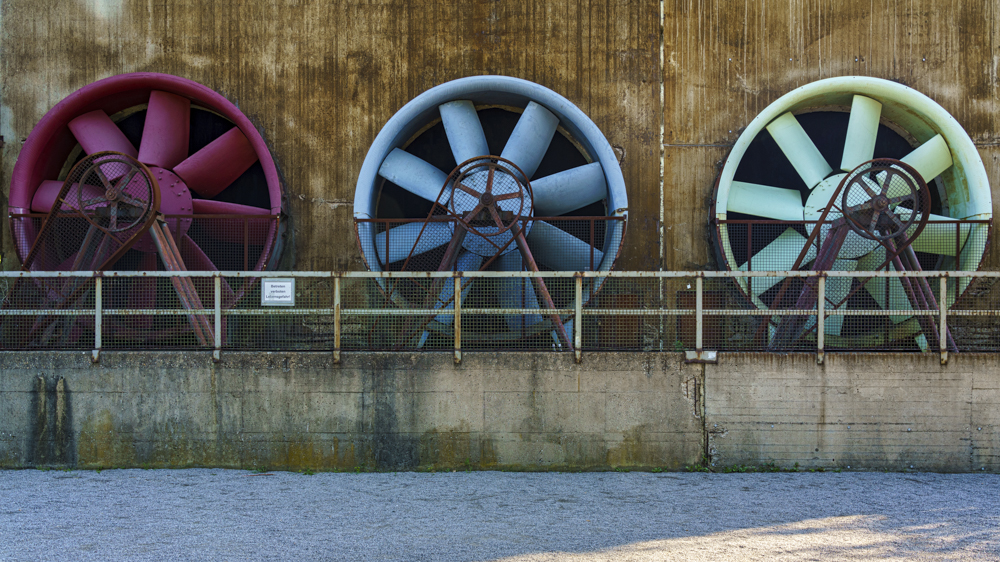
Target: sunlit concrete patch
849,537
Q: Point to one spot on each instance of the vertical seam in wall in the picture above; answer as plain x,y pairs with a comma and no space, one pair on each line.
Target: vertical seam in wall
972,433
704,414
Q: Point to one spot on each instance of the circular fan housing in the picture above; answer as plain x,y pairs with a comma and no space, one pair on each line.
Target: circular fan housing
786,166
206,155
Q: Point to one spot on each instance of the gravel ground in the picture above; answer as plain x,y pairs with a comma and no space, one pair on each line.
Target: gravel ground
209,514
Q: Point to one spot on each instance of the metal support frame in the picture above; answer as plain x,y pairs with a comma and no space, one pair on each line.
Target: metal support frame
943,328
457,303
336,318
820,317
98,314
578,318
700,355
217,335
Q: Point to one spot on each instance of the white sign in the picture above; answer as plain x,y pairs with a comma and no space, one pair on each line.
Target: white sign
277,292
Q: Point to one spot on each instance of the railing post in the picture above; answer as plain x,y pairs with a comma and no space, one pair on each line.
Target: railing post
217,352
943,331
336,318
820,316
95,355
578,319
458,318
698,321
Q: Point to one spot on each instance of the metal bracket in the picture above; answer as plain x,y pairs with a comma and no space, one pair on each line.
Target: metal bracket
701,357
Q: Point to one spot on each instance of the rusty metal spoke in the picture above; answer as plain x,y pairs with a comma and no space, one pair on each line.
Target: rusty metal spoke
468,189
489,180
93,201
126,179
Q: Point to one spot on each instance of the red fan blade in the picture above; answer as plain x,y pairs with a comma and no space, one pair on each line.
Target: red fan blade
96,132
46,194
213,168
194,257
167,130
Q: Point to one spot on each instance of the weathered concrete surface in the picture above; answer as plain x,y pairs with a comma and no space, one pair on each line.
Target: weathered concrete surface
871,411
374,411
536,411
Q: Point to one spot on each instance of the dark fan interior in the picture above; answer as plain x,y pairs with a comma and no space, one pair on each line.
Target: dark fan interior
765,164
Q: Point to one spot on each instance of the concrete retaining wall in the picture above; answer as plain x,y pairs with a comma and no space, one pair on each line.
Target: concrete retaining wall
373,411
874,411
498,411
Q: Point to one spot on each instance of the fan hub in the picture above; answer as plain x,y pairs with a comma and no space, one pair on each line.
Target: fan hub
854,246
175,199
492,200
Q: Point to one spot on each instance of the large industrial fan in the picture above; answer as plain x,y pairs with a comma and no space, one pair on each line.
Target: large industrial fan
494,173
801,169
220,192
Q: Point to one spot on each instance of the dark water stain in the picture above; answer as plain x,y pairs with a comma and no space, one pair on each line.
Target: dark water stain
50,412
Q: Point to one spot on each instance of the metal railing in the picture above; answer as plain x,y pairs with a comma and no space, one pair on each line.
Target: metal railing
405,311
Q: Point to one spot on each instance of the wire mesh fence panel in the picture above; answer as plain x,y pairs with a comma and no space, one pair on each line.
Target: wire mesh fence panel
627,314
147,313
48,313
889,313
539,313
974,318
306,324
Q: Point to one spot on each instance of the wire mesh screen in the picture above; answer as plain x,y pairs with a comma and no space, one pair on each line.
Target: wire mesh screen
765,245
974,319
68,320
227,242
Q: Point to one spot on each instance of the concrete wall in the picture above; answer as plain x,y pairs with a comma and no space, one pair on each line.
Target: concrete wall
374,411
868,411
320,78
499,411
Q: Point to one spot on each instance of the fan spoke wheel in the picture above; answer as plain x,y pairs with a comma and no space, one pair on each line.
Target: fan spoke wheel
489,197
875,192
127,198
